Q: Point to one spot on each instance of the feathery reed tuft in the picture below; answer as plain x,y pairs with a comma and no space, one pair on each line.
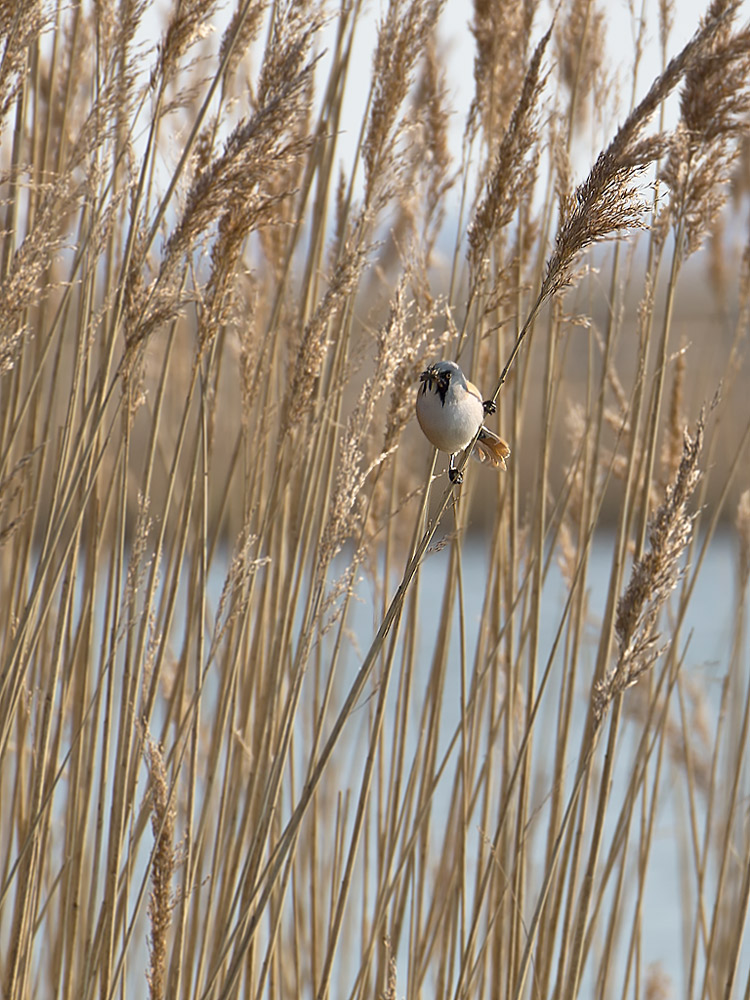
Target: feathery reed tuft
160,903
501,35
513,172
581,44
653,578
609,200
714,106
402,37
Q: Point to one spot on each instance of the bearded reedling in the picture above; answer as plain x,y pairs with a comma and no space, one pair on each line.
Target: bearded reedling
450,411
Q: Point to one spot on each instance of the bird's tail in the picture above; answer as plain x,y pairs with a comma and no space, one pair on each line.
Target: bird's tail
491,448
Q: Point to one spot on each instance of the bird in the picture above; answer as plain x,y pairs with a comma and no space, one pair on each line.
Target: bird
450,411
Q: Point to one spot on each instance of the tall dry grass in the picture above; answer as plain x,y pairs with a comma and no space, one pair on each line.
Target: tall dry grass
220,774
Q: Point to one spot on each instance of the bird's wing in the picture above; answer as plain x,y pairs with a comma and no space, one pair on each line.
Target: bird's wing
473,390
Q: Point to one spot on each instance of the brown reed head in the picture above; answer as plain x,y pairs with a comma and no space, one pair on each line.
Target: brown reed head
653,578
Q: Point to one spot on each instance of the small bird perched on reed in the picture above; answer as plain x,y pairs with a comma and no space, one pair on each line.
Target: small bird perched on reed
450,411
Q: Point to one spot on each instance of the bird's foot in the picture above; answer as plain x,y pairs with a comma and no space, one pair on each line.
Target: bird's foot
489,406
455,476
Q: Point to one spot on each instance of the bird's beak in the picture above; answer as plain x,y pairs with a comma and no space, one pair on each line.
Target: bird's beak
427,376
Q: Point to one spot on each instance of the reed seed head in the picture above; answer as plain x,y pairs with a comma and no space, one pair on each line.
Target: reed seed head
653,578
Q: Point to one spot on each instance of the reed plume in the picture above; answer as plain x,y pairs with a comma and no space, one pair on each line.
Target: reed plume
714,105
501,34
402,37
513,170
160,903
609,200
653,578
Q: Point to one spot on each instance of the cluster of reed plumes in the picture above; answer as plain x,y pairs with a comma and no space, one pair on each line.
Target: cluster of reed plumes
270,724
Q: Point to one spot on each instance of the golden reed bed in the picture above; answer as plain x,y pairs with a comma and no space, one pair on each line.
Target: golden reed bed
211,333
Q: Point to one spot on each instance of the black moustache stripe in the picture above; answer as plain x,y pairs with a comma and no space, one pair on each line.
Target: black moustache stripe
438,380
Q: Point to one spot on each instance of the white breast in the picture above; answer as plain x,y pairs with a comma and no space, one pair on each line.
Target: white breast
449,425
